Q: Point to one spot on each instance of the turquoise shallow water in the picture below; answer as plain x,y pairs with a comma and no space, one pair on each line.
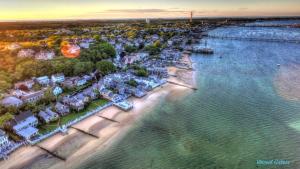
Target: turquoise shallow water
235,118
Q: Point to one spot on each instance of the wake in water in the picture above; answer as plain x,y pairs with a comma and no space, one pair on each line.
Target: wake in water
287,82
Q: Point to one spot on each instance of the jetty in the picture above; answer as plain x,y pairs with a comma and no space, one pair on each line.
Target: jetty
85,132
52,153
183,85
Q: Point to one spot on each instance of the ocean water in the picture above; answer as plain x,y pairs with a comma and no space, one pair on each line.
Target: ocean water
235,118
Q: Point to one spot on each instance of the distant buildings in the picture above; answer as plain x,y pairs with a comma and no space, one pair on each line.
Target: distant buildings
45,55
26,53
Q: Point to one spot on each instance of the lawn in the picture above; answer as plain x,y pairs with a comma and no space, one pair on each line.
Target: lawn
72,116
93,105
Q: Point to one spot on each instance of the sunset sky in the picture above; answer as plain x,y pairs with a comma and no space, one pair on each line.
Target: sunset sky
11,10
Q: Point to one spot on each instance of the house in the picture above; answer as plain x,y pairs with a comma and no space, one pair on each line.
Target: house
57,91
48,115
139,93
80,81
74,103
11,101
24,125
58,78
45,55
13,46
74,82
84,45
33,97
89,92
25,53
124,105
62,109
135,57
44,80
25,84
4,142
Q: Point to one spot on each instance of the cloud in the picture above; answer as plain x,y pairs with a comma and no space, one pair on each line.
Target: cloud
142,11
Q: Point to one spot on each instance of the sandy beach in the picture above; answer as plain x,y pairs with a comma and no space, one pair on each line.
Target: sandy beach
98,132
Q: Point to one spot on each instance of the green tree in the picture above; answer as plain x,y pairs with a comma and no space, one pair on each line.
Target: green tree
4,118
105,67
83,67
130,48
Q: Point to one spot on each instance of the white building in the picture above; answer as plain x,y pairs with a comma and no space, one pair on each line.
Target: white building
4,142
45,55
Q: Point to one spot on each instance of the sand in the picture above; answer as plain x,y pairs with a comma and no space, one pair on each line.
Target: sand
287,82
97,133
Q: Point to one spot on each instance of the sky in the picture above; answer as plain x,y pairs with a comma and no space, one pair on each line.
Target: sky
11,10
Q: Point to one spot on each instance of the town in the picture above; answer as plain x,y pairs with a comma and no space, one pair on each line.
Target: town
54,78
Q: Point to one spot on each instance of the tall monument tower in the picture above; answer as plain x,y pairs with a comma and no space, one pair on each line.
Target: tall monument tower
191,17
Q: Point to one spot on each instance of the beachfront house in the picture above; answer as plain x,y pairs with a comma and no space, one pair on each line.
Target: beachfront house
74,102
4,142
43,80
58,78
48,115
11,101
91,93
124,105
24,125
62,109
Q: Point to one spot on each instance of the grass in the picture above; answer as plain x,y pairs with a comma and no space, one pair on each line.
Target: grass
46,128
72,116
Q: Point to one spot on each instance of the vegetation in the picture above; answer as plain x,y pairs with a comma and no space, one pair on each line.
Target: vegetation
130,49
132,83
98,52
105,67
4,118
72,116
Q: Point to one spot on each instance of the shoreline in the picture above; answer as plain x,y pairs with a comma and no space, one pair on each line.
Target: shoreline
106,128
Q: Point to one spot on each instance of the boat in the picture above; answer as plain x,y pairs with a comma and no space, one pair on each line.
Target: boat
203,50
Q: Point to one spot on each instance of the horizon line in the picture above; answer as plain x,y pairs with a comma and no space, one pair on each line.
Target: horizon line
153,18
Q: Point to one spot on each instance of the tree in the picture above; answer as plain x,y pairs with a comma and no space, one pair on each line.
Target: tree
105,67
83,67
141,72
130,48
4,118
153,50
5,81
98,52
26,70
